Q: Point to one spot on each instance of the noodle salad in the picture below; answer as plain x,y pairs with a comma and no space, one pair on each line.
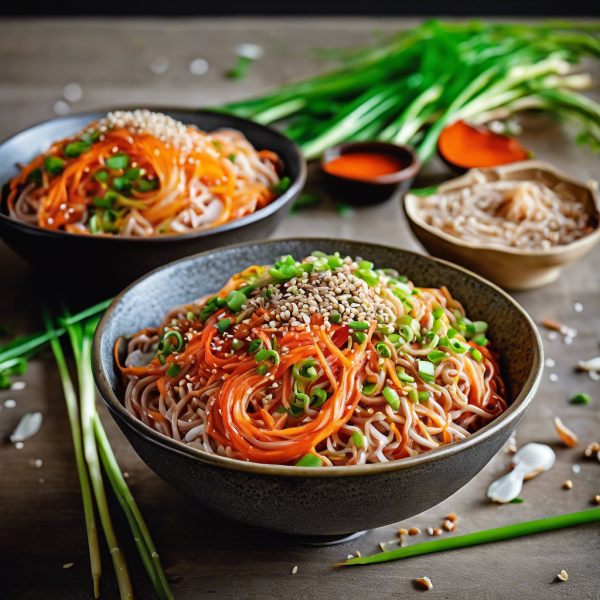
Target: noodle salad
325,361
144,174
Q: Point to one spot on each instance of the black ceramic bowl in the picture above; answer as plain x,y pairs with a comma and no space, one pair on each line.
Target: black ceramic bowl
122,260
367,192
302,500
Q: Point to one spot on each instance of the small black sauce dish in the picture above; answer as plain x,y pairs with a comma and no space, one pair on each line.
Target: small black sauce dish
367,192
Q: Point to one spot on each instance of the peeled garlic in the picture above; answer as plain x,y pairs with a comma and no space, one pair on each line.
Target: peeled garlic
528,462
28,426
593,364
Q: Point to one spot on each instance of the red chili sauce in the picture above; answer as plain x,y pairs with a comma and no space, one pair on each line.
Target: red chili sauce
364,165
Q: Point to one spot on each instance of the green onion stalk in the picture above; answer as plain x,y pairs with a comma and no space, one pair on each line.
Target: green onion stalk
81,338
92,448
480,537
408,88
84,481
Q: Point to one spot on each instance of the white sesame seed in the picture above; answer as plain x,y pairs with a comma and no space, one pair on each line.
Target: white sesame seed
549,362
10,403
294,570
67,566
553,377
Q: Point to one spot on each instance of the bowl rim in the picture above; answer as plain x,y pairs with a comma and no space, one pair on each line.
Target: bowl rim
512,415
410,200
342,148
257,215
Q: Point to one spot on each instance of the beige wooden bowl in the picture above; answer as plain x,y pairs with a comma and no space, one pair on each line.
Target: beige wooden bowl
511,268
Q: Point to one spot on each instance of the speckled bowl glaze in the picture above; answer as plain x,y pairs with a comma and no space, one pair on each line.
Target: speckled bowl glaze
511,268
328,501
127,258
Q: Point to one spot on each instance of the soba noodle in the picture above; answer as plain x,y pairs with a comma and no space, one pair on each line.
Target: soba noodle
519,214
142,174
325,357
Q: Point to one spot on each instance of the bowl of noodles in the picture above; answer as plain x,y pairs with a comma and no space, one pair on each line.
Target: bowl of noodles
518,225
136,189
316,387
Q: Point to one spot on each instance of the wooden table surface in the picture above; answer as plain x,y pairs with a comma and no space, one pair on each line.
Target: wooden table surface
41,517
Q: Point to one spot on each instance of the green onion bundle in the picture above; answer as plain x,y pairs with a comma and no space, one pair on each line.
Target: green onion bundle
92,448
423,79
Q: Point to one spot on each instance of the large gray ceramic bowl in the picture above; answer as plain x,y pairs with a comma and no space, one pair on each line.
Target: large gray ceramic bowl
328,501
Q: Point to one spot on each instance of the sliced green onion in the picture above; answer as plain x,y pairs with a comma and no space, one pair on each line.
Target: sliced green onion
395,340
459,347
255,346
178,338
54,165
365,264
190,316
383,350
235,300
437,312
35,176
368,389
359,337
480,340
335,318
480,326
436,356
392,398
162,359
451,333
102,202
122,184
359,439
335,262
367,275
318,254
237,344
476,354
101,176
437,325
133,174
358,325
117,161
402,376
75,149
407,333
318,397
581,399
145,186
173,370
426,370
262,369
516,500
265,354
223,325
282,187
309,460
